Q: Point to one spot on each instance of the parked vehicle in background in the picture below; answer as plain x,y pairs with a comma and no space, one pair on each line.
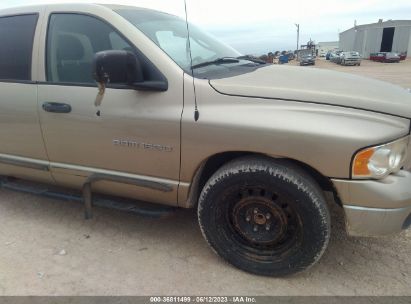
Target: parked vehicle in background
335,57
380,56
283,59
350,58
327,57
307,59
291,56
392,57
385,57
305,52
403,56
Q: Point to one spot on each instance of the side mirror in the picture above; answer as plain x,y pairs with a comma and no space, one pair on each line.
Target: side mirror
117,67
123,68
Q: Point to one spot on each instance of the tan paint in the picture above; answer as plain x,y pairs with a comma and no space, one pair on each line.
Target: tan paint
319,86
322,136
144,117
255,112
20,133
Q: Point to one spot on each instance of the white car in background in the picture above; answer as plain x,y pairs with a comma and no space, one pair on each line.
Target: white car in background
350,58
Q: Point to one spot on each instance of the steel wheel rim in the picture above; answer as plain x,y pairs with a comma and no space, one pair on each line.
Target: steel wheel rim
285,225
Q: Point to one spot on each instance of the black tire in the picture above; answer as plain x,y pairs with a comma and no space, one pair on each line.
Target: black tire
264,216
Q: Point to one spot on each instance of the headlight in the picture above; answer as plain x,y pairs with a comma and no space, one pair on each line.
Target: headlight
380,161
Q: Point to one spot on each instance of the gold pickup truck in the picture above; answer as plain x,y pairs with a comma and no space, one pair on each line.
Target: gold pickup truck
125,101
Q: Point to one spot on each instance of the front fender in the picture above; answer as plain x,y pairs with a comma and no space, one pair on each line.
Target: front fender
324,137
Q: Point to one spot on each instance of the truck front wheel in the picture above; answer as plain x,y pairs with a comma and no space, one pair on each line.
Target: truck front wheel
265,216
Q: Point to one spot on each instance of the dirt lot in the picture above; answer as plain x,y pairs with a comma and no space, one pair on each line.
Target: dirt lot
46,248
397,73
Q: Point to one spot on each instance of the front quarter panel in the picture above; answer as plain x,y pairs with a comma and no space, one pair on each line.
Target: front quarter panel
321,136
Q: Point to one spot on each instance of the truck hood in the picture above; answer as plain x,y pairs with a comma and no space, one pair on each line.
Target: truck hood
318,86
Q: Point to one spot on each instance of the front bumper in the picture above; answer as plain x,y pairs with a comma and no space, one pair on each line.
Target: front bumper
352,61
392,60
307,62
376,207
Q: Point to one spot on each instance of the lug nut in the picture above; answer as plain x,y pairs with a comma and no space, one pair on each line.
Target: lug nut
268,216
267,227
255,228
248,218
255,211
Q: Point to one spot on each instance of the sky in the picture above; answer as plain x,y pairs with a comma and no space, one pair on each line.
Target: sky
260,26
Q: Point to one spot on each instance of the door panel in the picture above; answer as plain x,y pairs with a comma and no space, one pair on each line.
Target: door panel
133,134
147,124
22,151
21,140
20,132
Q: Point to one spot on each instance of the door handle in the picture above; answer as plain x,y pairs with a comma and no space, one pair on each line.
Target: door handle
55,107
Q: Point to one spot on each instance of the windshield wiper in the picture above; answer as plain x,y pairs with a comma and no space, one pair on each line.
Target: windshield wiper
252,59
221,60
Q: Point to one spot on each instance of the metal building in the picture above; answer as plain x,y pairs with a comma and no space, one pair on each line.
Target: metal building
388,36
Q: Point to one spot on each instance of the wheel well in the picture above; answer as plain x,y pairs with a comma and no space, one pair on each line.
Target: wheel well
216,161
324,182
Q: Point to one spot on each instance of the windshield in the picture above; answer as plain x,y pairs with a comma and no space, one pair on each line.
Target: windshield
170,34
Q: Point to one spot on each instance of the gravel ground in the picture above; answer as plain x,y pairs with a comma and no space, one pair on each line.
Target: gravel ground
397,73
47,248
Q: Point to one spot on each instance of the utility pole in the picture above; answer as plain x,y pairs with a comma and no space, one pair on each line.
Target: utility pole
298,35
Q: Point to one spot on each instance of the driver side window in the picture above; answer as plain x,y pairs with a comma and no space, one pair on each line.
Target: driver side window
72,41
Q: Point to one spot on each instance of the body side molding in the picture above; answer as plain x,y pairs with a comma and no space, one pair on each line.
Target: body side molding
92,175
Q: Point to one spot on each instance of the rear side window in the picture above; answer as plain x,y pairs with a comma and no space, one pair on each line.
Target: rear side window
16,46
